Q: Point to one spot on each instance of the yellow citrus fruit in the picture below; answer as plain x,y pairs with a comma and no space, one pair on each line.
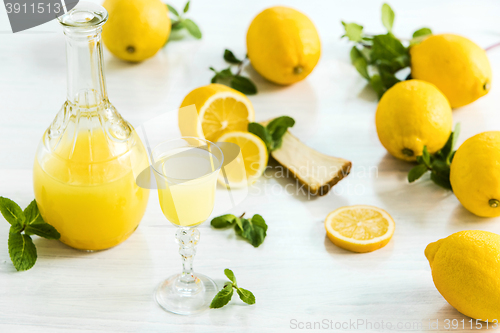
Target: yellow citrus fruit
359,228
475,174
413,114
283,45
253,158
136,29
454,64
220,109
466,271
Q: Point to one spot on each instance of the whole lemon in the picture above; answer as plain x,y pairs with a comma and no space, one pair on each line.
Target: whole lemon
283,45
413,114
136,29
454,64
475,174
466,271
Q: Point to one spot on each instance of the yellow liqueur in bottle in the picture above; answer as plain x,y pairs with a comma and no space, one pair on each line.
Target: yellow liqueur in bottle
87,162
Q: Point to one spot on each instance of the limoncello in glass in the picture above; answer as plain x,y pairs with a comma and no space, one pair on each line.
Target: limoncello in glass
186,171
187,193
86,164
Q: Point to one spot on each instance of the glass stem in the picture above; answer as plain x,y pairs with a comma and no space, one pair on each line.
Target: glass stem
187,238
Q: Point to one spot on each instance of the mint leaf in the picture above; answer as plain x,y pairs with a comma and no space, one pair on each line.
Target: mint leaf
417,172
172,10
192,28
223,221
223,297
22,251
426,157
246,295
254,230
277,128
35,225
387,17
244,85
12,212
422,32
359,62
186,7
353,31
225,73
230,275
32,214
231,58
262,133
441,180
42,229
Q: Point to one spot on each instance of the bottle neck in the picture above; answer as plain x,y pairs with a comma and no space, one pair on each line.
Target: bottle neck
86,83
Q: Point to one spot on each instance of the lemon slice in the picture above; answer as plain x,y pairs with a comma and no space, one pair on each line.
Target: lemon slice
250,163
219,109
359,228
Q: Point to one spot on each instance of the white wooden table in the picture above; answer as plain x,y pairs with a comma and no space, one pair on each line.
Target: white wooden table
297,275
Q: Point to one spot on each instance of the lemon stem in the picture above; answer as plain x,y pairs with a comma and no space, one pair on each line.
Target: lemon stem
130,49
298,69
494,203
407,152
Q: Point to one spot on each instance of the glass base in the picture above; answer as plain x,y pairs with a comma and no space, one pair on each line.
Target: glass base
186,298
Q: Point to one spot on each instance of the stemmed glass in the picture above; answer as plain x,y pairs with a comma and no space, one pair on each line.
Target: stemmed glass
186,171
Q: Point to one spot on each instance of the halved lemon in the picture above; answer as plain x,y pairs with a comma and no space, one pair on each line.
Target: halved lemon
359,228
219,109
250,163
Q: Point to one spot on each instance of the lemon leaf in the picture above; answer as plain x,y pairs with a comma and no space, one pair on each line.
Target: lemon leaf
359,62
353,31
387,17
192,28
172,10
422,32
387,47
186,7
377,85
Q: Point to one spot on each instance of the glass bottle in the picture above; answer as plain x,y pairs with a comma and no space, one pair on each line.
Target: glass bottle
86,165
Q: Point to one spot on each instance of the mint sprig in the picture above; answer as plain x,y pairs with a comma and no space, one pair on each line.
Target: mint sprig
254,230
438,163
22,250
272,134
179,22
226,293
378,58
234,80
